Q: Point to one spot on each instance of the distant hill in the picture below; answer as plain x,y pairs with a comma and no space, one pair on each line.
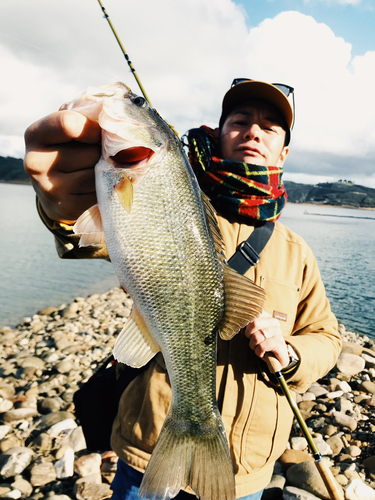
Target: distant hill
327,193
331,193
11,170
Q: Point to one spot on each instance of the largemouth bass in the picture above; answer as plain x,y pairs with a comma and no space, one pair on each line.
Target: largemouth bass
165,245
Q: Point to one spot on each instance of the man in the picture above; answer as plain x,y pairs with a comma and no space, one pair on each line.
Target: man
239,166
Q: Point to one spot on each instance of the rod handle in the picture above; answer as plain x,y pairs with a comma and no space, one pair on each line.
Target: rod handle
272,362
328,479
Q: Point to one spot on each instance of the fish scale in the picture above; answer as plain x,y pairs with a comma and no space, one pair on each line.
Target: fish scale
164,243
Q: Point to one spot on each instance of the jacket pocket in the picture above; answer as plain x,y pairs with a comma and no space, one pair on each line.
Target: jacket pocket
267,428
282,301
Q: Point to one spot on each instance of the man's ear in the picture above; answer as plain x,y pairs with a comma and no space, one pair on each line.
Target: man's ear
216,133
284,153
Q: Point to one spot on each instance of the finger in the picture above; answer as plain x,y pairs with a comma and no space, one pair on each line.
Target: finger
257,338
61,127
68,210
67,157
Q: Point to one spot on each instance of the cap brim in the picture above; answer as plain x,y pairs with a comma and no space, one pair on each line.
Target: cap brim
247,90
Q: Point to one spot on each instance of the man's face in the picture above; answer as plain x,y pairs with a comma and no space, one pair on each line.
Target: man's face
253,133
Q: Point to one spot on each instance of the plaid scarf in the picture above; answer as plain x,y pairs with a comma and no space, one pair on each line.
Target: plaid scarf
238,191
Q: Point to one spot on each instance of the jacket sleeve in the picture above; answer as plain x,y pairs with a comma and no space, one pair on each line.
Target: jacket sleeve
66,241
315,335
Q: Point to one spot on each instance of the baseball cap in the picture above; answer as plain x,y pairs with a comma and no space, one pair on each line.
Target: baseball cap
243,89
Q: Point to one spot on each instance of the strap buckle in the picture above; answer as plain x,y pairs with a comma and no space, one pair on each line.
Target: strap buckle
249,253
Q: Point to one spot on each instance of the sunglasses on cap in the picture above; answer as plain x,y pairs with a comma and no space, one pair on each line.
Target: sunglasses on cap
287,90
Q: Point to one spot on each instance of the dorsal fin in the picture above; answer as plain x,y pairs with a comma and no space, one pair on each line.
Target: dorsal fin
244,301
213,223
135,345
90,226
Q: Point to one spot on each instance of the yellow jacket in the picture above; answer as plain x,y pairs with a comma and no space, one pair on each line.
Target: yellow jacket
256,416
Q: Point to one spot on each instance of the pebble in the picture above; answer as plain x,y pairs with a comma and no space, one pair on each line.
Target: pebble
65,465
350,364
42,447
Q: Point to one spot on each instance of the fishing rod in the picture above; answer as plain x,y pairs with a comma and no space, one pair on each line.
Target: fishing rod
322,465
125,54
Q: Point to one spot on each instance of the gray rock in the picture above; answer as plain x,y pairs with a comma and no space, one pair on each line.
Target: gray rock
52,418
369,360
42,473
298,443
14,494
350,364
5,405
19,414
368,386
15,460
306,477
42,442
33,362
357,490
323,447
91,488
75,440
62,426
344,420
344,405
292,493
65,465
336,444
86,465
49,405
10,442
316,422
4,430
64,366
7,391
317,390
22,485
350,348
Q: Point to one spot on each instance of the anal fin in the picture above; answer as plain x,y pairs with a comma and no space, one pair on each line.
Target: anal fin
244,301
135,345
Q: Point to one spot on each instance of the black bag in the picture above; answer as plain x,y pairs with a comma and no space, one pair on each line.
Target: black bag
96,402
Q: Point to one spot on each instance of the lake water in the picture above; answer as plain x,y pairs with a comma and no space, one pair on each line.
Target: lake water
33,277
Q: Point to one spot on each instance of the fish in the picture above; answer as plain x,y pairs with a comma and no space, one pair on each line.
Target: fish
165,244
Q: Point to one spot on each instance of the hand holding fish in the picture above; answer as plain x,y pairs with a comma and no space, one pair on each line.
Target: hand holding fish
62,150
265,336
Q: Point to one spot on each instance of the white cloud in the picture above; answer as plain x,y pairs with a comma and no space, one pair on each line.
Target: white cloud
339,2
186,54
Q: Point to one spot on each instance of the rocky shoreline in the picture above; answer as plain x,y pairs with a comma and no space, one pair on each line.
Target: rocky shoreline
43,453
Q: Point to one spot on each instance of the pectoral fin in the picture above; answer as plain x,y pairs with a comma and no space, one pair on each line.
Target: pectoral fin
244,302
124,190
135,345
89,225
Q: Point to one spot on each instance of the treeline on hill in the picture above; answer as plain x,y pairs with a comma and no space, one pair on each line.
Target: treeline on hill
11,170
331,193
342,193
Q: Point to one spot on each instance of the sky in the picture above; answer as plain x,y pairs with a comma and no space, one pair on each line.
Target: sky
187,52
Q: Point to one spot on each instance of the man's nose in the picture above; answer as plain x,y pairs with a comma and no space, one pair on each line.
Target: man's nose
252,132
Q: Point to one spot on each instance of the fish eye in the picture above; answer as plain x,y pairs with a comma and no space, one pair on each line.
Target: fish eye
138,101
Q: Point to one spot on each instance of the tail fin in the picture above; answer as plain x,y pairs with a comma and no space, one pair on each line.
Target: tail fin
190,455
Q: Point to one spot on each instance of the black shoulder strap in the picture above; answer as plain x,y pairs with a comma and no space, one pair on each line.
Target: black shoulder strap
248,253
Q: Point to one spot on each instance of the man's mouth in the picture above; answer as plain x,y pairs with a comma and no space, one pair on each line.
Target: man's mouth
250,151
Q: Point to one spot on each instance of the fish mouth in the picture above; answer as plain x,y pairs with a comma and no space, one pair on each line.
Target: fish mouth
131,157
